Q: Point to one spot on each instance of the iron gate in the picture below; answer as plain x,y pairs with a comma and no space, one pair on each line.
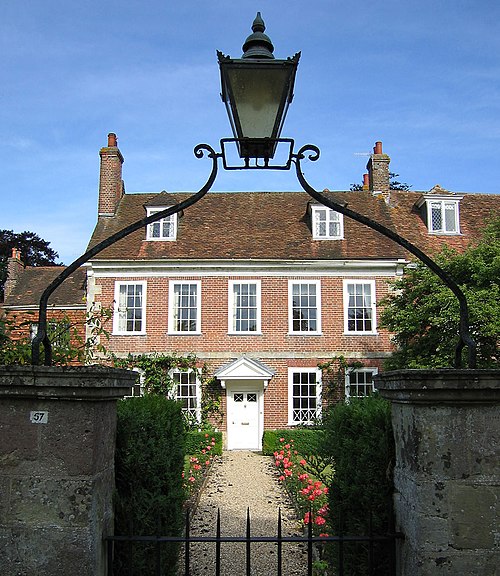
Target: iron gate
310,541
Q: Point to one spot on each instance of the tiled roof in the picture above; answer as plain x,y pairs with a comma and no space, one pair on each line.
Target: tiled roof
276,226
475,210
248,225
34,279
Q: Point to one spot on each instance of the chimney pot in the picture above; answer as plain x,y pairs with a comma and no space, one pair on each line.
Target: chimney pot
366,182
378,148
112,140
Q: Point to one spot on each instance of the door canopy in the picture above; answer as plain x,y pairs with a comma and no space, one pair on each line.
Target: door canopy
244,368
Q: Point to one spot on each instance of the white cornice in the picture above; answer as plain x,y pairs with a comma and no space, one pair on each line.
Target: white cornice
302,268
49,307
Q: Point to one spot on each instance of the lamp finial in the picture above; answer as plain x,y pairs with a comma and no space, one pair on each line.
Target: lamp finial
258,44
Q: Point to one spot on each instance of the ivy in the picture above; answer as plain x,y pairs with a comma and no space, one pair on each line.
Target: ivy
334,374
157,378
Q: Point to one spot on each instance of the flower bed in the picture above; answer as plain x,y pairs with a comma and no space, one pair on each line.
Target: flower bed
309,495
197,466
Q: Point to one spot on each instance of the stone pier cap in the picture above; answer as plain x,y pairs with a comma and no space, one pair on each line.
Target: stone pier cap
66,382
440,386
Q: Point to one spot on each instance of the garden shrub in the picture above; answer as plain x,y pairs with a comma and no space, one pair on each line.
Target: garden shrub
196,441
149,496
307,441
359,439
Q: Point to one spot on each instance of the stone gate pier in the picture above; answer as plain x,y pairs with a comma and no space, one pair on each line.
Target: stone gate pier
57,445
447,476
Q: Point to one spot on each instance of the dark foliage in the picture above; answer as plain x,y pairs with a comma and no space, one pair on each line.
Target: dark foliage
424,314
149,493
360,443
34,251
307,441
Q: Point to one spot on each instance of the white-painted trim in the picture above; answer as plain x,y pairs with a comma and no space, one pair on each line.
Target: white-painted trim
329,211
37,306
230,307
171,300
373,370
373,331
293,370
153,210
291,331
116,331
269,268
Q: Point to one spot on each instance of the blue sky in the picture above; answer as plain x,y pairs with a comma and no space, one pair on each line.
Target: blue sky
422,76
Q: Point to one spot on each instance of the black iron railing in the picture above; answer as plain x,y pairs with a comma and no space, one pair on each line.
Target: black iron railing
312,544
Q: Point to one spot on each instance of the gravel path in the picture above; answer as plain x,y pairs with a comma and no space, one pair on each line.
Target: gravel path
241,480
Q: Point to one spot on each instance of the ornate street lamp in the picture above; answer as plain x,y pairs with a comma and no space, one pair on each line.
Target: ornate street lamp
257,90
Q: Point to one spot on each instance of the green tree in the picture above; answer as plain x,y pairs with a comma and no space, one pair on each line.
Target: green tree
424,314
34,251
394,184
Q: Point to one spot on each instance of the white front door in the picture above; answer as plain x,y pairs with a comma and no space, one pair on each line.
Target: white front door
244,411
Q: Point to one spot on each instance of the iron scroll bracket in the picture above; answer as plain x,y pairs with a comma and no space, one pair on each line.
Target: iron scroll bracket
312,153
41,336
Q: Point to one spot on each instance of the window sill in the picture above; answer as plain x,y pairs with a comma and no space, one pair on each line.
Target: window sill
161,239
184,333
328,238
442,233
244,333
361,333
304,333
128,333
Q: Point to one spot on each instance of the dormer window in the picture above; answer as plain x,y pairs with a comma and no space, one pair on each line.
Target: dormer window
164,229
443,217
326,223
441,213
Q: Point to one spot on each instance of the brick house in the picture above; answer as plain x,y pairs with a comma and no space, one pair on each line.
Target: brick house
66,309
264,286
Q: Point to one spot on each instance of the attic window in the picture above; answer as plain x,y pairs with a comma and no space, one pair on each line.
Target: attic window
326,223
442,214
164,229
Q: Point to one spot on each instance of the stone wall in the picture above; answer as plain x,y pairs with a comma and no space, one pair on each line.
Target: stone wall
57,430
447,478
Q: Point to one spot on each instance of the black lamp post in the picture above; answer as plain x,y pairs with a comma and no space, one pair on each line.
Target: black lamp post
257,90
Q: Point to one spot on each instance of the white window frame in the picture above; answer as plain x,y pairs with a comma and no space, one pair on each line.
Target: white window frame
331,217
175,390
116,312
231,307
160,223
373,307
443,206
172,301
318,396
351,371
291,284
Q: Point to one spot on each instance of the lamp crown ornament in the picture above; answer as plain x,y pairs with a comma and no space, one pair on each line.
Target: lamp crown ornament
258,44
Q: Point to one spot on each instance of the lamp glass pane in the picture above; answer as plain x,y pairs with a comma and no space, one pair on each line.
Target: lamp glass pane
258,95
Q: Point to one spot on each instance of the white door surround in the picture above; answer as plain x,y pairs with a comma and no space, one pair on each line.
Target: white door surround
245,380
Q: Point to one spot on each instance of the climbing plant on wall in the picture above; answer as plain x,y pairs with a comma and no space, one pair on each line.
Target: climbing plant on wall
157,378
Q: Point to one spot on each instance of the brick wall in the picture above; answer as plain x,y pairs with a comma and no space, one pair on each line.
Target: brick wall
278,349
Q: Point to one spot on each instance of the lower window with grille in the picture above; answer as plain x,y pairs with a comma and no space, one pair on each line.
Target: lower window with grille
359,382
188,392
304,395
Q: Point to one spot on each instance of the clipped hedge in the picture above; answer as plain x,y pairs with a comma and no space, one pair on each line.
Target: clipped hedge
149,462
197,441
359,440
306,441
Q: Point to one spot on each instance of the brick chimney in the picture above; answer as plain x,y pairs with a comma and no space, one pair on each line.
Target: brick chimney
378,171
111,187
14,268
